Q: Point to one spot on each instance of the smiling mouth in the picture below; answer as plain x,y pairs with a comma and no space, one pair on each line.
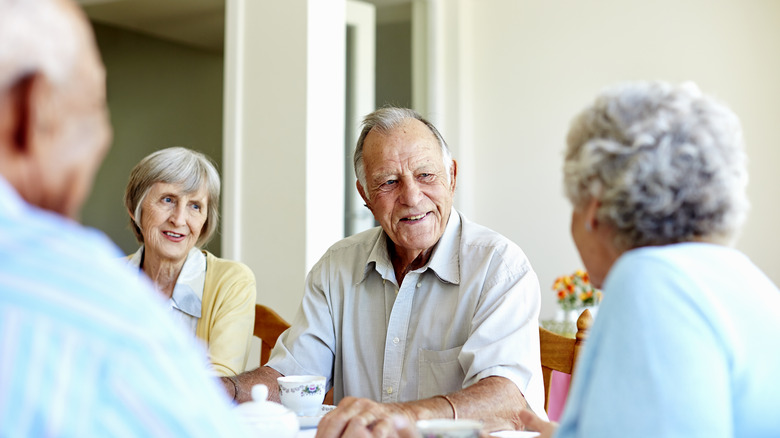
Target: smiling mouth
168,233
416,218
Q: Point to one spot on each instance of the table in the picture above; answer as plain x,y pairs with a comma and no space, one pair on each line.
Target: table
307,433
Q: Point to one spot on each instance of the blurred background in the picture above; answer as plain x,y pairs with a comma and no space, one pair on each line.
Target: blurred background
273,91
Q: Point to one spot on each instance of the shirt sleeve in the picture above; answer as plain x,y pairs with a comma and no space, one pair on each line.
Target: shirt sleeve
653,365
308,346
504,340
151,394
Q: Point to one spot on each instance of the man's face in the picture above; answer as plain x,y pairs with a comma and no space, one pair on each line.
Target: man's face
79,132
407,187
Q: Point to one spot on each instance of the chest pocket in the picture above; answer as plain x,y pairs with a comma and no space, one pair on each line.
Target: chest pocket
440,372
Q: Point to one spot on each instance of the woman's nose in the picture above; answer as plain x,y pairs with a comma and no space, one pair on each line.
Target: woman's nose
177,215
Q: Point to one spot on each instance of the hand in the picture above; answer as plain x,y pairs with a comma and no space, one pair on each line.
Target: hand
360,417
532,422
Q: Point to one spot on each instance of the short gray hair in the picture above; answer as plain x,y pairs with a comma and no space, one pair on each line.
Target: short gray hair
176,165
666,162
52,48
384,120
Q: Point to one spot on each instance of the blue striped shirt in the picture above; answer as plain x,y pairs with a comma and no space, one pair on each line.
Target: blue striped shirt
86,348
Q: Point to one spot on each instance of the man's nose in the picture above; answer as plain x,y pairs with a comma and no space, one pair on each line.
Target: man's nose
410,192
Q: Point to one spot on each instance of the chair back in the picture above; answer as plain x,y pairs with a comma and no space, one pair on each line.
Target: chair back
268,326
560,353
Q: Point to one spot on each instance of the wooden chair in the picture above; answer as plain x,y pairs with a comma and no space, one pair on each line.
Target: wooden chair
268,326
560,353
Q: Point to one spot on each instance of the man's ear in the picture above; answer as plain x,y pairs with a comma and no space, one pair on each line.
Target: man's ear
453,174
19,118
362,194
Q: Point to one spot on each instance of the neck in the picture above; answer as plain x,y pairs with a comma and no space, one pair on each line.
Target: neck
406,261
163,272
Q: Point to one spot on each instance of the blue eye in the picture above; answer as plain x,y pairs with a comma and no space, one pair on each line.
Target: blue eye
196,206
168,199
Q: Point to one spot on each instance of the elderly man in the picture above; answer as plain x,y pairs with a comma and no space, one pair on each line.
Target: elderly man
428,315
85,347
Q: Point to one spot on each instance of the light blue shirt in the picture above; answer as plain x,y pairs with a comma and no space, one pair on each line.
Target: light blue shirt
86,349
471,312
685,345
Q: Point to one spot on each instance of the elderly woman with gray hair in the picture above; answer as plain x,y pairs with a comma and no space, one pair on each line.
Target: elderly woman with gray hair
686,339
172,198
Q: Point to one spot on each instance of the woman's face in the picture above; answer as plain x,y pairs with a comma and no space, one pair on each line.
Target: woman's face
172,220
593,242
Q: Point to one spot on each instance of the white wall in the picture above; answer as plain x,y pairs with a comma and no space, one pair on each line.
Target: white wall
284,140
534,63
160,94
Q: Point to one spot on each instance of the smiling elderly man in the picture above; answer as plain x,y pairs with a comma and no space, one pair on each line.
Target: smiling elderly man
428,315
86,349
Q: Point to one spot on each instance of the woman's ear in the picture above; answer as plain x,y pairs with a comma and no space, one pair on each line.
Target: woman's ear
590,214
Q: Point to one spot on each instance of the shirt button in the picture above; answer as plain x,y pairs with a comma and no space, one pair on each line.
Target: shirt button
383,282
389,389
419,284
396,340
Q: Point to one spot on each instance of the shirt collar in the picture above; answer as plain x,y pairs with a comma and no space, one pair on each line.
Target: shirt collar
188,291
444,261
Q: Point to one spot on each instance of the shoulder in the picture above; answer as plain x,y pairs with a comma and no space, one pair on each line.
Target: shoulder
480,240
219,267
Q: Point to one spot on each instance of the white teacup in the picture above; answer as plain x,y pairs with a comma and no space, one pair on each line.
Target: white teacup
302,394
447,428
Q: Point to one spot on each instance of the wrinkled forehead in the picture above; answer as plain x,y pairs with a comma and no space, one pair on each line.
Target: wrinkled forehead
411,137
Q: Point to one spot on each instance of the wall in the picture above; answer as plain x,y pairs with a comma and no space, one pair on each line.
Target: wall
393,61
160,94
535,63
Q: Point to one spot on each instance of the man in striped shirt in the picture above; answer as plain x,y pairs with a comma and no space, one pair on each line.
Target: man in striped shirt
85,348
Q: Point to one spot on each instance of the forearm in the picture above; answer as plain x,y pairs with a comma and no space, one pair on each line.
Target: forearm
495,401
244,383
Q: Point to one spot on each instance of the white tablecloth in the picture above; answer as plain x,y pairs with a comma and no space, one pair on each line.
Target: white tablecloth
307,433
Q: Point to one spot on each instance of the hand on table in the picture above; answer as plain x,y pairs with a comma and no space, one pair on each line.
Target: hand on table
360,417
532,422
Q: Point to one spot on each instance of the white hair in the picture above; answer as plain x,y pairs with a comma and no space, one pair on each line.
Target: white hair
174,165
666,162
36,36
384,120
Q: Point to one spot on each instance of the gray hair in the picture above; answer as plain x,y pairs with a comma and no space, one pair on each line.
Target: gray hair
384,120
52,48
176,165
666,162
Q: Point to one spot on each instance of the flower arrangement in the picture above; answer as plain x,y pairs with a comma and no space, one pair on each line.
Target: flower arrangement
576,291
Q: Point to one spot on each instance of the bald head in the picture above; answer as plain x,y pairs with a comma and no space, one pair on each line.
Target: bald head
54,127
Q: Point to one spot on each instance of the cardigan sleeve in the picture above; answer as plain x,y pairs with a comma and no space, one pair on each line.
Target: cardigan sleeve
228,314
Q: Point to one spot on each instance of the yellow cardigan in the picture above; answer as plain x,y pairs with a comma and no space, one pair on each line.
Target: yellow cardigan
227,314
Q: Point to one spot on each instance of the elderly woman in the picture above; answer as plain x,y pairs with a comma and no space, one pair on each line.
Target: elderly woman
686,339
172,198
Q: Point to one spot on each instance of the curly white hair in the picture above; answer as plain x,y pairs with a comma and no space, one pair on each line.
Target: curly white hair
666,162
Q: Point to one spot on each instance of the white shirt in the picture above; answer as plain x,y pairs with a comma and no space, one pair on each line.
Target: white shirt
471,312
186,300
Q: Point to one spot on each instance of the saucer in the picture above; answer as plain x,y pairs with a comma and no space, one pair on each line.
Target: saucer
309,421
514,434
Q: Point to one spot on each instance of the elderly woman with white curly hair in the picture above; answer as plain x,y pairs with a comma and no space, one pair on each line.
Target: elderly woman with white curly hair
172,198
686,339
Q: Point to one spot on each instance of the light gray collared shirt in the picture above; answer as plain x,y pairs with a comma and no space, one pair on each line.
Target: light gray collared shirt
471,312
188,293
